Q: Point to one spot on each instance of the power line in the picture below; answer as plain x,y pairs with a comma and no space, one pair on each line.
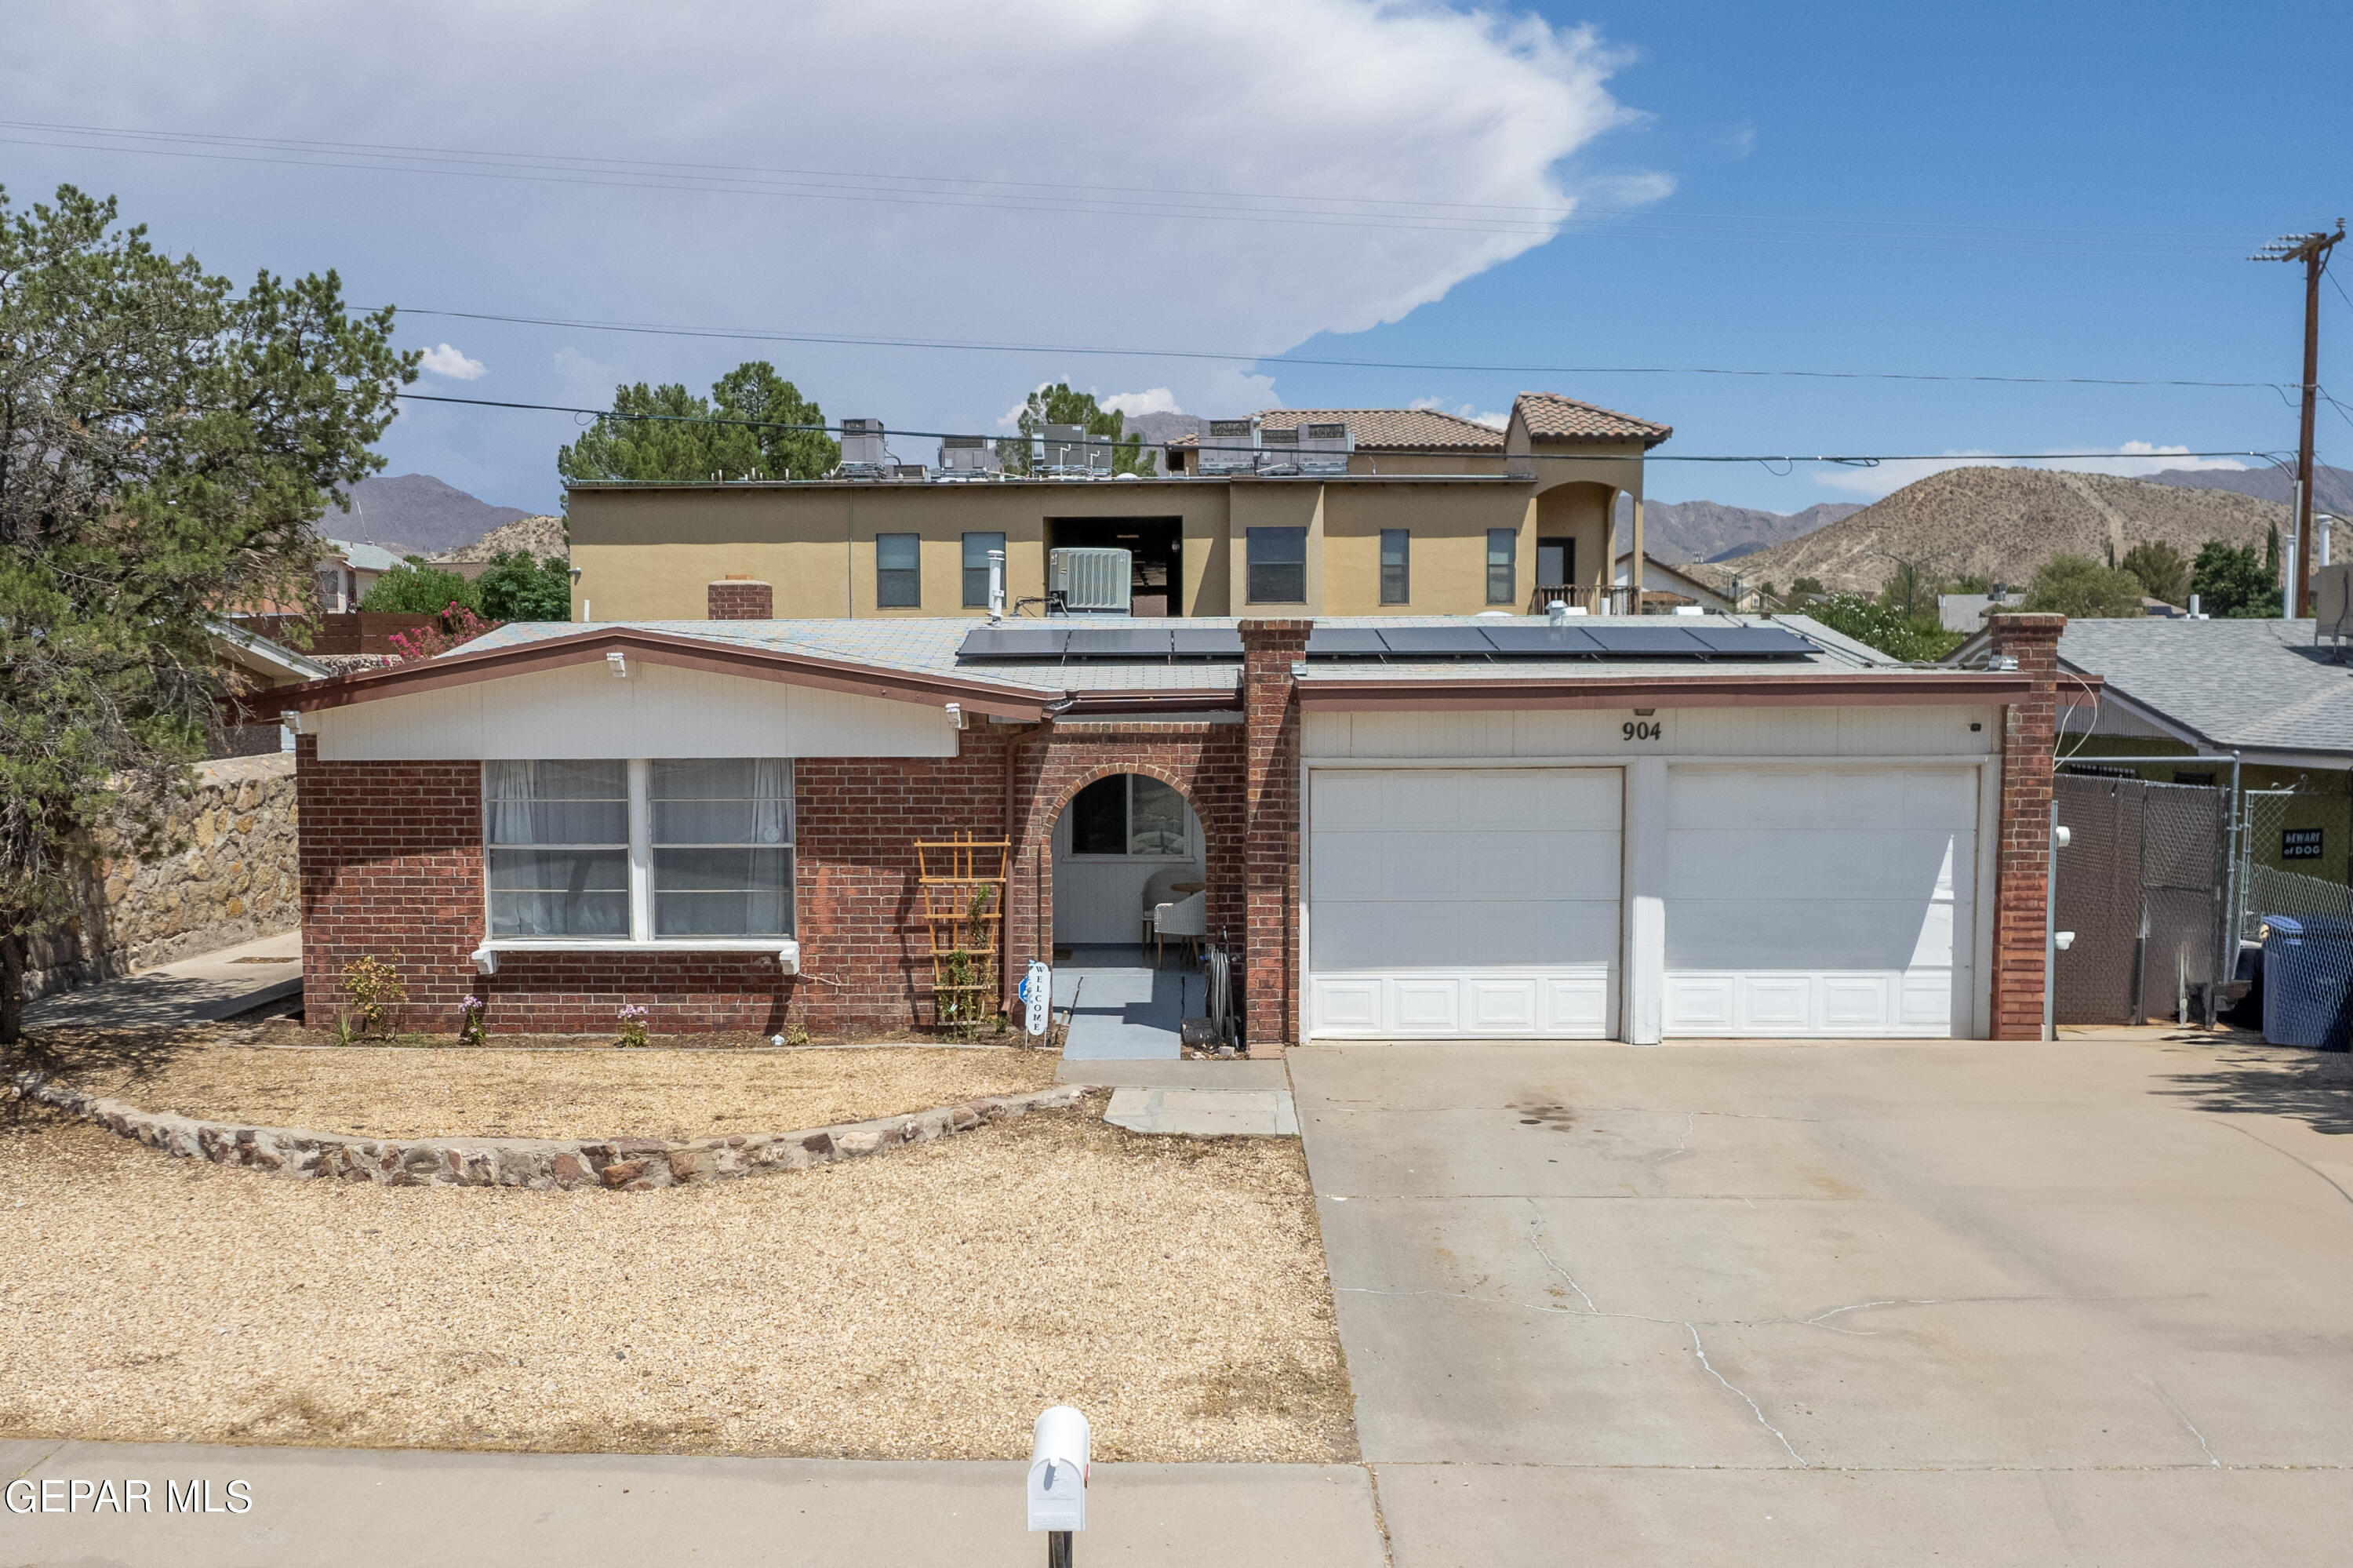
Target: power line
1039,196
1851,461
956,345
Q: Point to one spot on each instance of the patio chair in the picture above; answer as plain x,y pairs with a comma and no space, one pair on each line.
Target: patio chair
1188,919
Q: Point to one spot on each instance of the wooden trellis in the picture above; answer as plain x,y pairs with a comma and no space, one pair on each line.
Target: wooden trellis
963,881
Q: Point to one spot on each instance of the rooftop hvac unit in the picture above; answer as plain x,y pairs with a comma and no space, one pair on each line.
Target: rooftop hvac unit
1278,450
969,455
1229,446
912,470
1089,582
863,453
1324,449
1068,449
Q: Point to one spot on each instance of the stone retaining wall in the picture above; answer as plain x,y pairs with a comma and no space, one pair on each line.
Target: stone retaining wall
629,1165
233,883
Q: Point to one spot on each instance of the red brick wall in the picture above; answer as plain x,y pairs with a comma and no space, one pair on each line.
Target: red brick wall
1201,762
739,599
1271,707
2022,863
390,865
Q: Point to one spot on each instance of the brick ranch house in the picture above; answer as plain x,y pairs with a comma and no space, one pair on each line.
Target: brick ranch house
1405,828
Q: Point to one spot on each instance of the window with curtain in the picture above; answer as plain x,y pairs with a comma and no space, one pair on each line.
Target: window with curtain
1129,815
557,842
975,566
897,571
1277,566
1396,560
722,847
1502,565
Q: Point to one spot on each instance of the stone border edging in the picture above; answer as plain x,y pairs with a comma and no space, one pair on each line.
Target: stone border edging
623,1164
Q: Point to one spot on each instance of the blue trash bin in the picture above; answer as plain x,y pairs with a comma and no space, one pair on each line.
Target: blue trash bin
2307,980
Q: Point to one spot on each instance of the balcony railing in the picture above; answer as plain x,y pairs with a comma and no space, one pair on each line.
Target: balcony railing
1593,601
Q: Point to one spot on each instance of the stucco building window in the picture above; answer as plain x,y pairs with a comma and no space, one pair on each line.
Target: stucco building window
1277,559
1502,565
1396,560
897,571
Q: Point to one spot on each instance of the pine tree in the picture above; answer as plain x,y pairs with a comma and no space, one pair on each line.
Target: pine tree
166,445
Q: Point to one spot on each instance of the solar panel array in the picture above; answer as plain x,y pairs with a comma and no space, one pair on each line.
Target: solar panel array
1158,644
1439,642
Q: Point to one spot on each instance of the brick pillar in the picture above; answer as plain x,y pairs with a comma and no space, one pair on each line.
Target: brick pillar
2023,865
1270,863
740,598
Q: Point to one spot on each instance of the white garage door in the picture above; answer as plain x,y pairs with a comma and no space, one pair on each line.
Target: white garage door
1819,901
1455,902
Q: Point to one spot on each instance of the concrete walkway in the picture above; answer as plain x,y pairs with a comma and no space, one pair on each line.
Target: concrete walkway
209,987
518,1510
1204,1113
1127,1010
1843,1305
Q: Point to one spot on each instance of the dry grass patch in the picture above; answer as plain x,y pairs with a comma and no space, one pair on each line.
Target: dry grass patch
926,1304
395,1092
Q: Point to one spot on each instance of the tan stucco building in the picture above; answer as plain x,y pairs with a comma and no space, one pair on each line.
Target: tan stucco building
1435,516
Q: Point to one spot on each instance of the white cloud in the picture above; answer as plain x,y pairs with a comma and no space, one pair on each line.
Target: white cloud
447,361
1158,400
1491,419
1427,403
1741,142
1104,131
2131,460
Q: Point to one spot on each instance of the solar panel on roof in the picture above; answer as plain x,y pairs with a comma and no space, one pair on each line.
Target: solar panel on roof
1207,642
1015,642
1436,642
1752,641
1345,643
1648,642
1118,642
1541,642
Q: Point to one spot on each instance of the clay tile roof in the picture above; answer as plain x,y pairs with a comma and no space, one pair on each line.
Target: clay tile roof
1550,415
1386,429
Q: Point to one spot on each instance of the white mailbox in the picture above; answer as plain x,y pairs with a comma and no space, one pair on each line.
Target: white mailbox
1058,1470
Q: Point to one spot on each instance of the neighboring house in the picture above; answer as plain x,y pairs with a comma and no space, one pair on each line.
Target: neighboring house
346,571
1403,512
1666,587
1415,828
2259,689
257,666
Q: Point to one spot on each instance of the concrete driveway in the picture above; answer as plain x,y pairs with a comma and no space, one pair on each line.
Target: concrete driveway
2089,1303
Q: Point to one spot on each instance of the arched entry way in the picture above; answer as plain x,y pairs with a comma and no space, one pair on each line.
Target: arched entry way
1123,843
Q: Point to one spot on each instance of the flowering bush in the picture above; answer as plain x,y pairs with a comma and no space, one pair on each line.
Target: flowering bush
469,1028
458,625
633,1025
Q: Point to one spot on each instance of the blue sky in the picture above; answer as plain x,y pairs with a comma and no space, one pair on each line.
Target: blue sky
1992,189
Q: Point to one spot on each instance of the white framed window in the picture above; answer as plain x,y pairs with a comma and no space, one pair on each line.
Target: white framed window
1131,816
667,850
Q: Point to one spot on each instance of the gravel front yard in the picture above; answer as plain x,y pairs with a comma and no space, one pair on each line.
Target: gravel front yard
923,1304
397,1092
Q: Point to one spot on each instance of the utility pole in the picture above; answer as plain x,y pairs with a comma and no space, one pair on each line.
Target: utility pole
2312,250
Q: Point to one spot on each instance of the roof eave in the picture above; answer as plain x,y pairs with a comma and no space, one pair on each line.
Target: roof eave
681,652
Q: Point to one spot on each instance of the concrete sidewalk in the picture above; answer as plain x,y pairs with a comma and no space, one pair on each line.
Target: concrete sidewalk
522,1510
204,988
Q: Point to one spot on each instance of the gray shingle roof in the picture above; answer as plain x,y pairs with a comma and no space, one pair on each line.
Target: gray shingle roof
2242,684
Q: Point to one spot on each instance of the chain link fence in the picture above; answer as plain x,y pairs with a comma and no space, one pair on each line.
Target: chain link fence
2145,885
2268,889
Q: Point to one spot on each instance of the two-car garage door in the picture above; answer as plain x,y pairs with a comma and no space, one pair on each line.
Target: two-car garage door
1484,902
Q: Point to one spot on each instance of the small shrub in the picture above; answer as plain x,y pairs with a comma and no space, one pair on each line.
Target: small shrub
471,1030
2080,588
416,589
375,990
633,1025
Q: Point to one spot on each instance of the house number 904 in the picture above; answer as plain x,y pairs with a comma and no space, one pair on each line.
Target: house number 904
1642,729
